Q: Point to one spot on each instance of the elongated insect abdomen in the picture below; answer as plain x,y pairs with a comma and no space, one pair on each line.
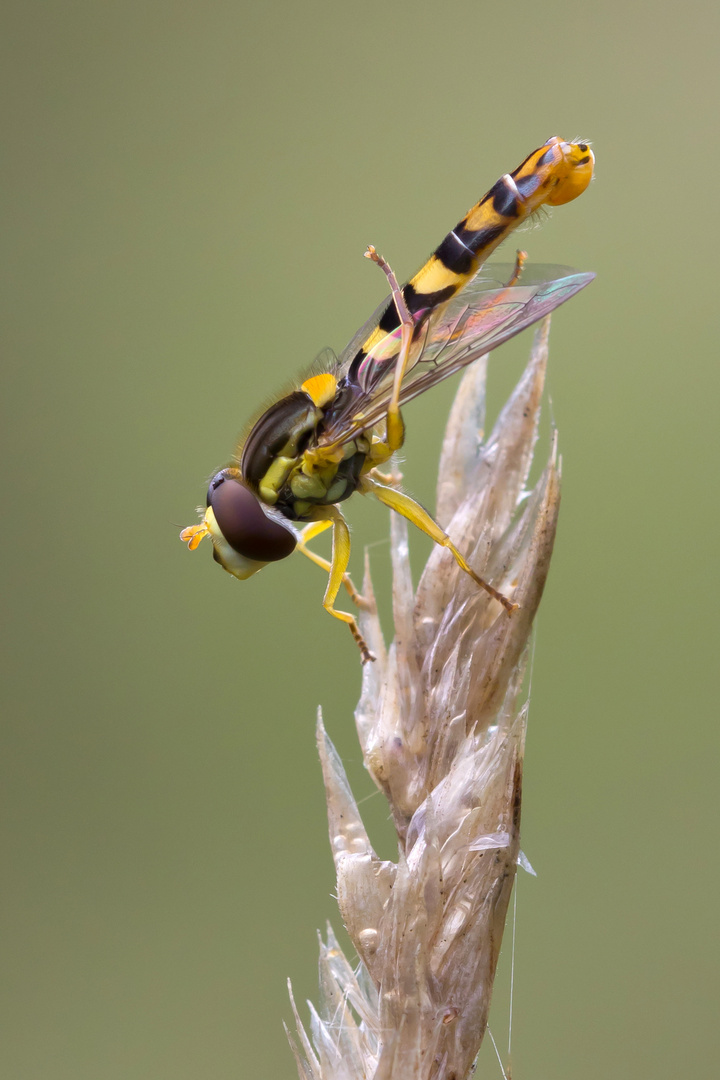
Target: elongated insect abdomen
555,173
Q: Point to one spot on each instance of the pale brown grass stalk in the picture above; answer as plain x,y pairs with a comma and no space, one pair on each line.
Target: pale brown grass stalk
441,723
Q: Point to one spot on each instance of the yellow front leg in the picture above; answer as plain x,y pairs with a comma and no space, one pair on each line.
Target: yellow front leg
395,428
336,569
308,533
414,512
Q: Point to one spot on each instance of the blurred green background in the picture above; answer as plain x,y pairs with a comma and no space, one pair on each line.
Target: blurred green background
188,191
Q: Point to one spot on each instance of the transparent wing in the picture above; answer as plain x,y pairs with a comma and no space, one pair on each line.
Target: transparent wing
482,316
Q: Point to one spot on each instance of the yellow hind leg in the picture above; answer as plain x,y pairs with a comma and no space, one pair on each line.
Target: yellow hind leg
414,512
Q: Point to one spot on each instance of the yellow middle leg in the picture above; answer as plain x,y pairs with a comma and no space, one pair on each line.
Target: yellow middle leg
414,512
337,570
308,533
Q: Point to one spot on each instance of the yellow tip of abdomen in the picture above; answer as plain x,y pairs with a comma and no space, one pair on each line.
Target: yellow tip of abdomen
579,163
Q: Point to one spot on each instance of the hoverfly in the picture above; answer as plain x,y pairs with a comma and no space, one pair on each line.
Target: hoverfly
325,440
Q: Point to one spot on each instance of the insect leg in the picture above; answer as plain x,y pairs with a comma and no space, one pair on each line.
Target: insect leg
392,479
338,566
414,512
312,530
520,260
395,434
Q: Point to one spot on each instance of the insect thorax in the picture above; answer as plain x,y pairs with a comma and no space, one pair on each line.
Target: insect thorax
279,464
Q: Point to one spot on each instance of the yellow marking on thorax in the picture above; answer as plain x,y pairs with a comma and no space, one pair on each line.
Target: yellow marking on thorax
320,388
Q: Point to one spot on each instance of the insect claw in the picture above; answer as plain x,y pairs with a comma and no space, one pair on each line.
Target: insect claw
509,605
366,655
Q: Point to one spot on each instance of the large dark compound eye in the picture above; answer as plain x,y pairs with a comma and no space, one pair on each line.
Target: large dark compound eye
242,522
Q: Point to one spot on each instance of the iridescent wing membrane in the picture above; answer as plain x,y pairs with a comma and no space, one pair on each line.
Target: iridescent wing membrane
479,318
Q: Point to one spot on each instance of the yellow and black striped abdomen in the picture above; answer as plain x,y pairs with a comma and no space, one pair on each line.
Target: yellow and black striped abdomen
555,173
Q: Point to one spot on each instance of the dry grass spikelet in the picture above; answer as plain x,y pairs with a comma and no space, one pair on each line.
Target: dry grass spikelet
441,724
